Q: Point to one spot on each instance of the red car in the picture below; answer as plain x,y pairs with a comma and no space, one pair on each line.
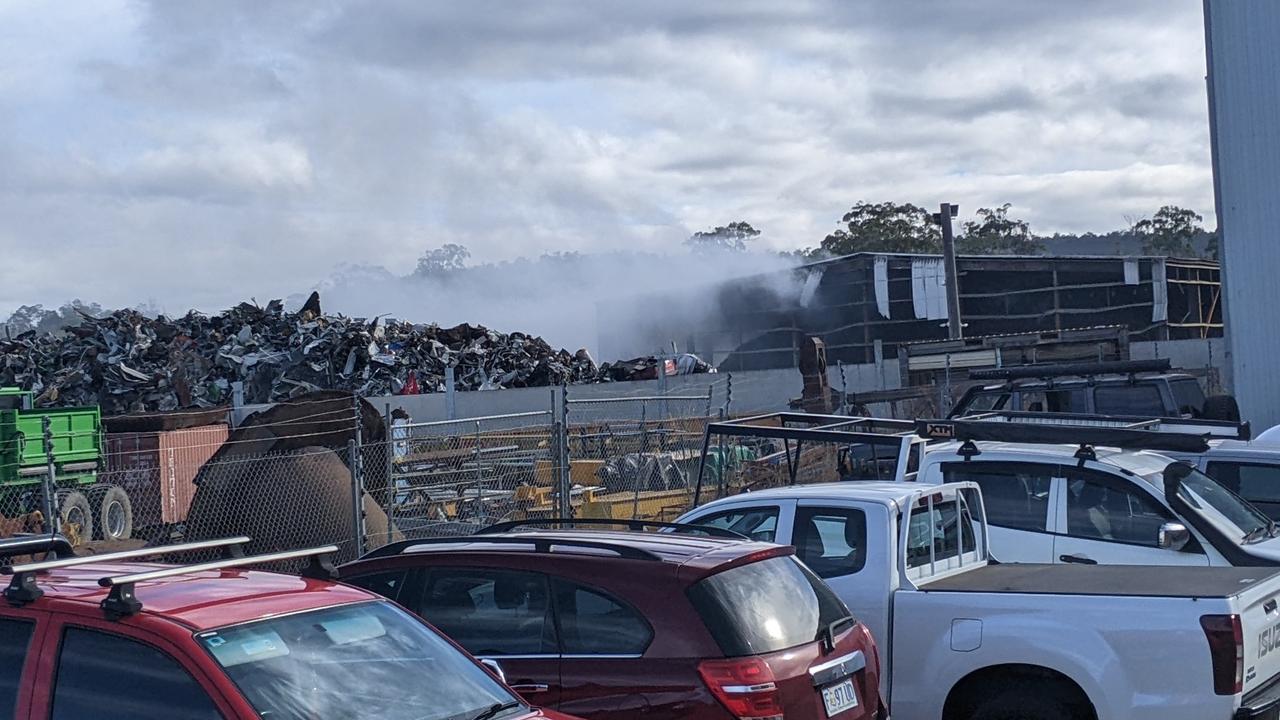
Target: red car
100,636
614,625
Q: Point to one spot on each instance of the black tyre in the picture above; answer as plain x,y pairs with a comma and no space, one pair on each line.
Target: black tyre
76,515
112,512
1021,705
1221,407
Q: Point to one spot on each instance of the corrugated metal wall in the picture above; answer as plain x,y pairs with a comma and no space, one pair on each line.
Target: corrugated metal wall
1244,109
158,469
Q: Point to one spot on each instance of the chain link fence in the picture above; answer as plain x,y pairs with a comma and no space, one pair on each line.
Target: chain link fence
455,476
635,457
325,474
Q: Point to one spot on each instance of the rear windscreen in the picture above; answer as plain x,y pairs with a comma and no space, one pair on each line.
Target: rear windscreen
766,606
1141,400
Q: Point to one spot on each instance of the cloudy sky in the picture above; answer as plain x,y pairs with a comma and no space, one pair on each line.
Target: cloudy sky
198,153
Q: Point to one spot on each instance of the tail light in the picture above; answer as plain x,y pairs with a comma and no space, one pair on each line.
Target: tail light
745,686
1226,649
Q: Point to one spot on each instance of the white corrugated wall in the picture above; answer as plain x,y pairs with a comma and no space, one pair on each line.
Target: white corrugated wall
1243,45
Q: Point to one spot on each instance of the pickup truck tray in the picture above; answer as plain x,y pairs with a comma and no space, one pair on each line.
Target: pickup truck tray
1123,580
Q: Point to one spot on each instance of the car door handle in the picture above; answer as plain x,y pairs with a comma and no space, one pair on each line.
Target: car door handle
1077,559
530,687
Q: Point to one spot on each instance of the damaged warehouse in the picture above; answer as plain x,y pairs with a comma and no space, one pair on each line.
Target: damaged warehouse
858,303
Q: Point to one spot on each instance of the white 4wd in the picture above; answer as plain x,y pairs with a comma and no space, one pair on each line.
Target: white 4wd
1071,504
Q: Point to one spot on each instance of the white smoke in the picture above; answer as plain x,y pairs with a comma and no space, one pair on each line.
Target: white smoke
567,299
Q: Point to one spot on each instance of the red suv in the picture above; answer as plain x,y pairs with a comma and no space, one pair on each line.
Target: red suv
609,624
96,636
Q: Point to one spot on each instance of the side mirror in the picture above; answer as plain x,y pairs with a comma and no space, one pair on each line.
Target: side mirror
495,668
1173,536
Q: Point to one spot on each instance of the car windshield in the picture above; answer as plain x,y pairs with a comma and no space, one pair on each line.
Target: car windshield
1229,513
368,660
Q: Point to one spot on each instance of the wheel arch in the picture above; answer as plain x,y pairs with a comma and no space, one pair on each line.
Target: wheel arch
964,696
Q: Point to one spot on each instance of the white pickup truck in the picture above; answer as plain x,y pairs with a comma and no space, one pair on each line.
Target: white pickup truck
964,638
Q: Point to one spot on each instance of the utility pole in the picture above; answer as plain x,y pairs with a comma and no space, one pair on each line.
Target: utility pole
943,218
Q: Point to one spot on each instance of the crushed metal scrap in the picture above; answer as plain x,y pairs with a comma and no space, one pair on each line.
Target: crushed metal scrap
127,362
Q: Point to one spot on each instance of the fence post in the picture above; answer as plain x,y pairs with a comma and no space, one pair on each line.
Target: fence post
480,501
356,452
944,397
844,389
663,411
563,481
50,486
450,397
728,397
391,470
237,403
357,506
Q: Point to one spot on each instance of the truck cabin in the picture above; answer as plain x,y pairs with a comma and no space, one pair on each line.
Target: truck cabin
16,399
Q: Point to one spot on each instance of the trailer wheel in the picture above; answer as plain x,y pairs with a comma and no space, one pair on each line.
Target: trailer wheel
112,512
76,515
1221,407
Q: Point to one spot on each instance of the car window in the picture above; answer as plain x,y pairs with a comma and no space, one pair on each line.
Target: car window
99,672
1188,396
1143,400
765,606
15,636
593,623
758,523
1056,401
1254,482
868,461
1016,495
1100,509
936,533
831,541
386,584
490,612
982,401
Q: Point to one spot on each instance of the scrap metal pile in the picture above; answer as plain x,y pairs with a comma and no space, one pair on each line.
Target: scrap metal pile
127,362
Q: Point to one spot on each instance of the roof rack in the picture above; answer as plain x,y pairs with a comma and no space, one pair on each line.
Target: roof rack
23,589
34,544
123,601
799,428
1225,429
540,544
816,428
707,530
1117,367
1001,429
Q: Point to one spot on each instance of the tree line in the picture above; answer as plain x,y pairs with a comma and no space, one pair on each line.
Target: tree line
889,227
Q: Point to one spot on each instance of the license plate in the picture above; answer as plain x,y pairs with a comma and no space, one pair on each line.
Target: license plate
839,697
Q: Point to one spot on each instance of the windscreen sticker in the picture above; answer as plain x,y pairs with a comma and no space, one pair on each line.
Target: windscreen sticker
245,646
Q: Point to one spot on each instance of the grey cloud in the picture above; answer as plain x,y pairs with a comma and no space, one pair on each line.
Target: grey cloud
239,137
963,108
